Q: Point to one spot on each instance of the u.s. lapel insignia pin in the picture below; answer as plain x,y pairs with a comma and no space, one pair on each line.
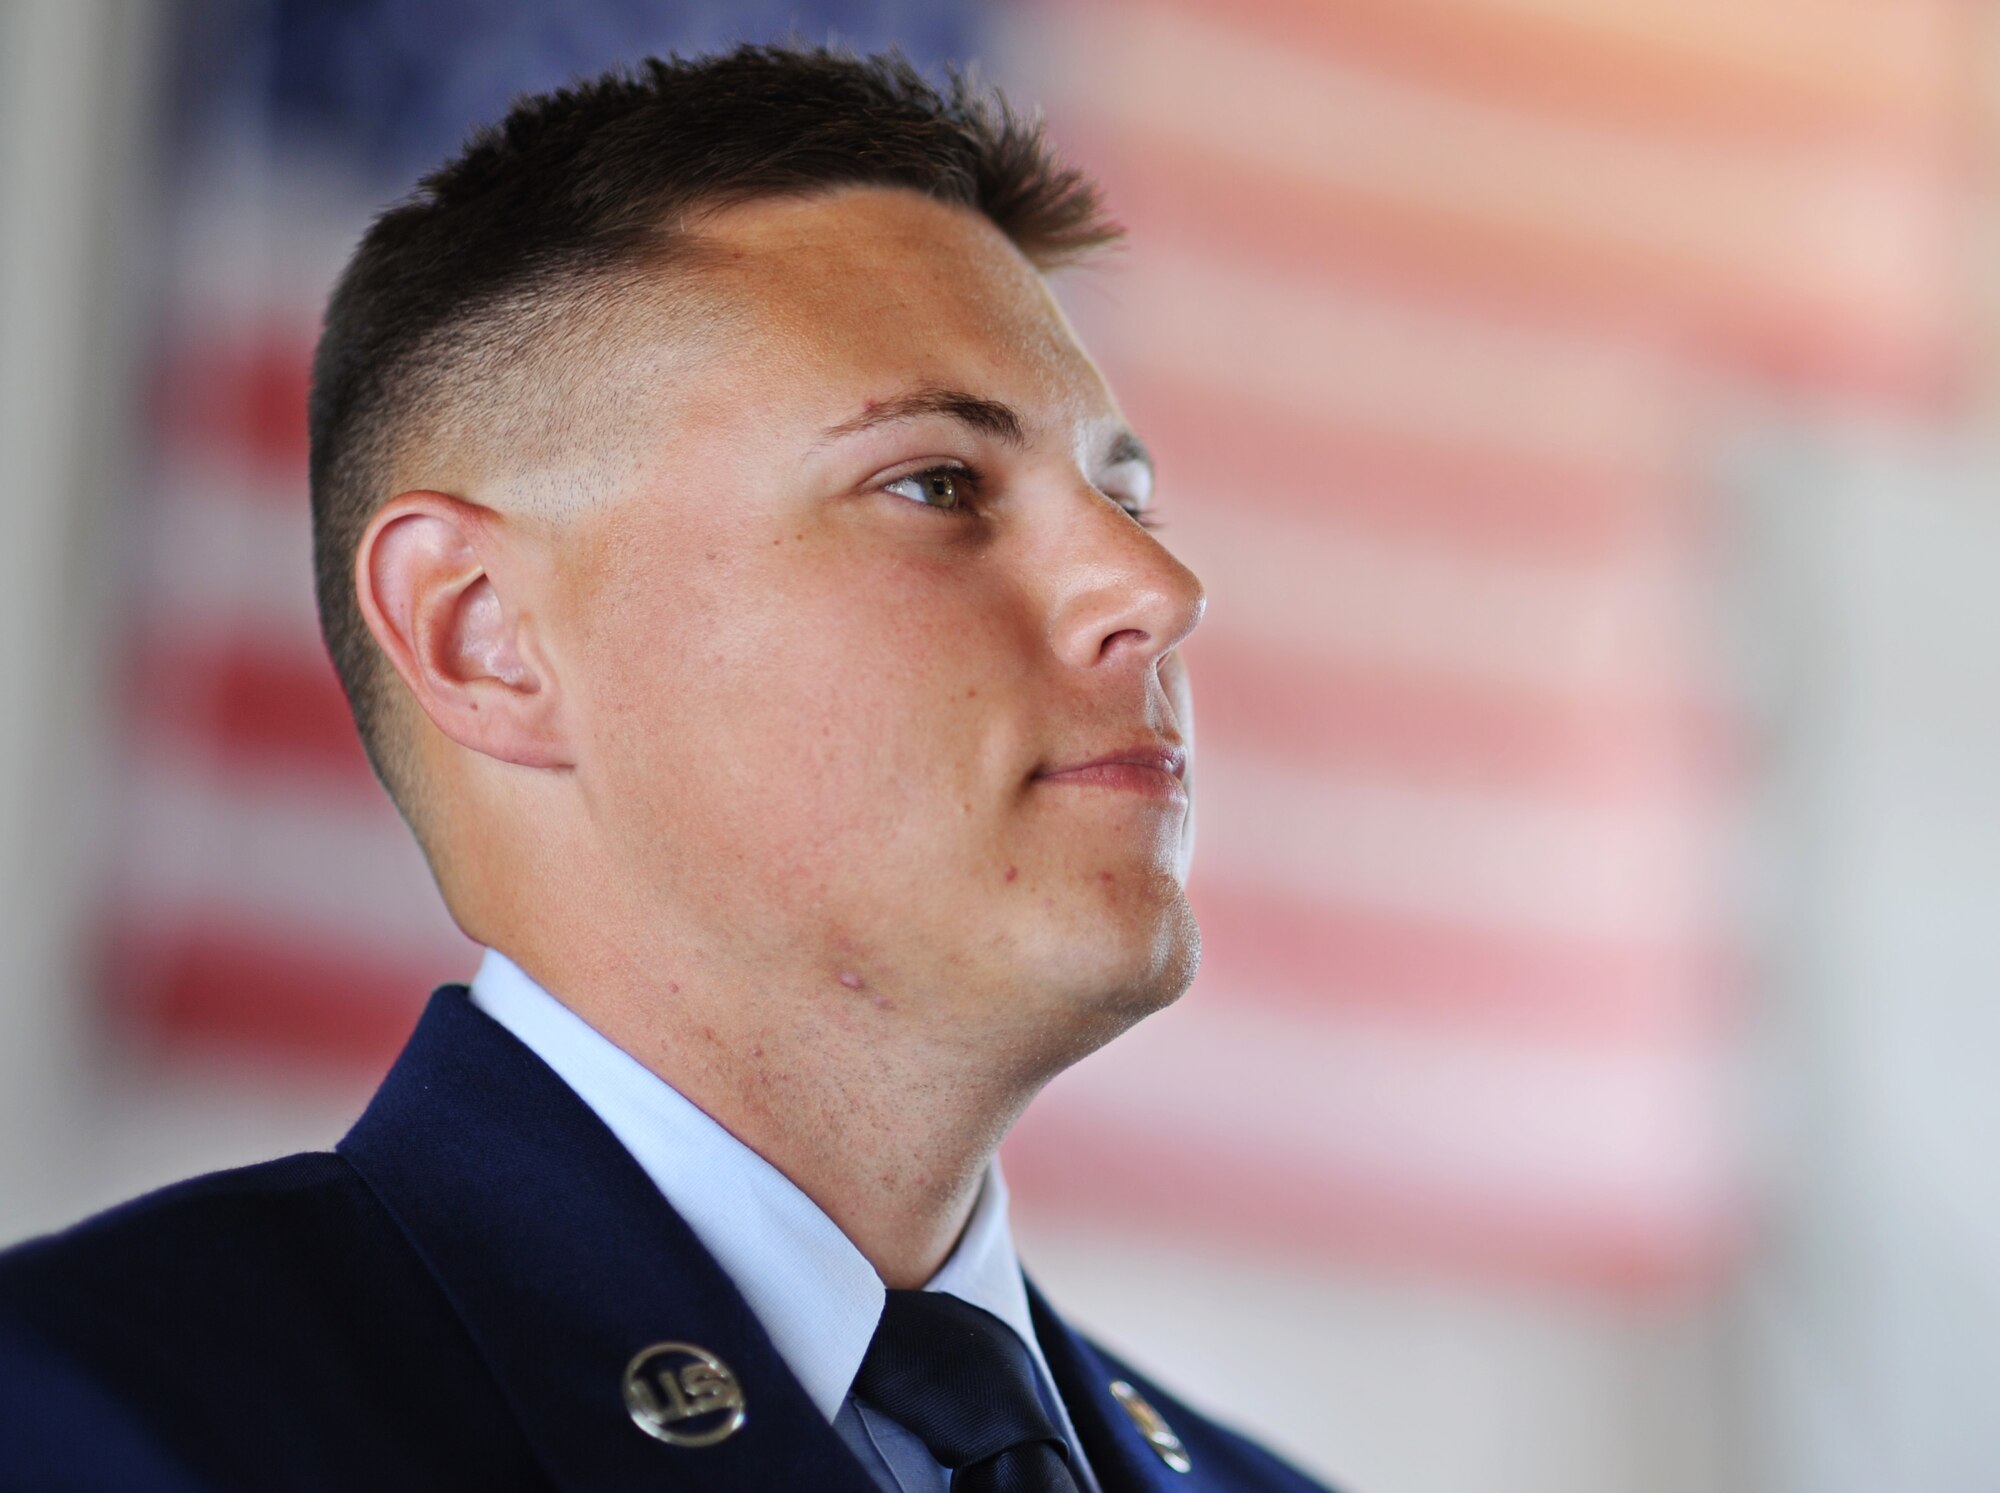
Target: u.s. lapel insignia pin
1152,1425
682,1394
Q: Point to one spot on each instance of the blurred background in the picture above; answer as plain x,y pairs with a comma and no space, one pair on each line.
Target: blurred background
1582,414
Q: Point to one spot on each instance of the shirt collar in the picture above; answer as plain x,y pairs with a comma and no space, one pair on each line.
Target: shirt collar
816,1295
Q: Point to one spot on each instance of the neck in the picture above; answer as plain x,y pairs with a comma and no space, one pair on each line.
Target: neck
888,1132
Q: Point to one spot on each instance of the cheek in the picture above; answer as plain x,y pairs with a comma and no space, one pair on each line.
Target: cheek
806,705
899,684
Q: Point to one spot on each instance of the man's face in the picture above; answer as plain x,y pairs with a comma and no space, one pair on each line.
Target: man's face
869,604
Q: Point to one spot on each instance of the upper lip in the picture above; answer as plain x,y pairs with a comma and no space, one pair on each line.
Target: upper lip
1160,756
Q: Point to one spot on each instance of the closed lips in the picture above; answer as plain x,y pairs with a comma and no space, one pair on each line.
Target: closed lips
1151,768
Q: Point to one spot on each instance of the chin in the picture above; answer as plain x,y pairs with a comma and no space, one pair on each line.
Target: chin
1122,969
1174,957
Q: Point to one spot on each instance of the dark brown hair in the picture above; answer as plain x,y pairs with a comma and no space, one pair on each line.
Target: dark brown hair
578,187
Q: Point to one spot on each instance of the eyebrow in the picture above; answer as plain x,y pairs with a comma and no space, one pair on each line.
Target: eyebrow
987,416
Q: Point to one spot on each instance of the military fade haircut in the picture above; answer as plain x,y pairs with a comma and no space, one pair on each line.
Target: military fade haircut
502,260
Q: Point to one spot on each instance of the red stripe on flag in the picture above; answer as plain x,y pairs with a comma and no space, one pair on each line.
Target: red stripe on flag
1072,1162
251,702
1313,959
244,988
1266,219
1225,452
242,395
1303,705
1620,75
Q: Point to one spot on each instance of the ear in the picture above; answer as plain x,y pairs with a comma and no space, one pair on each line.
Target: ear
429,575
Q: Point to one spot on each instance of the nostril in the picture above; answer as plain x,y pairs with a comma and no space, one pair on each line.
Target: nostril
1125,637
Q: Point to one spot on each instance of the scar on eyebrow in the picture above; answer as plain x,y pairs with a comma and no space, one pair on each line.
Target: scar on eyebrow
987,416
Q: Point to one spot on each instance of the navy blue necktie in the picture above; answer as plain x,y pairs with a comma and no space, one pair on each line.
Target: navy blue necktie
964,1384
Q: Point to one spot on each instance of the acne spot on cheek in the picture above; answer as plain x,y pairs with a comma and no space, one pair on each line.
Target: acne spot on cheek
883,1003
972,693
1106,877
673,987
851,980
1012,872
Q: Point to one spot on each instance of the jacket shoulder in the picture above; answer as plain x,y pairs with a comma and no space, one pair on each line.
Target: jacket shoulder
148,1254
283,1226
224,1328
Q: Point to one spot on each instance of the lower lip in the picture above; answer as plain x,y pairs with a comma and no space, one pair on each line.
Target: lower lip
1127,777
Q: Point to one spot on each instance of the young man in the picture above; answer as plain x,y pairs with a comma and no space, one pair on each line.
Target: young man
741,580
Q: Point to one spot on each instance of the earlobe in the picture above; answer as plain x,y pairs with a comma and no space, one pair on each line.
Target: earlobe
436,596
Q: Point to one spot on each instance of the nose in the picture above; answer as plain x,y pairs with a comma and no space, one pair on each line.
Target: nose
1124,600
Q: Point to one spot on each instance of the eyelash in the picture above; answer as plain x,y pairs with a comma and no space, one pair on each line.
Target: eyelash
976,485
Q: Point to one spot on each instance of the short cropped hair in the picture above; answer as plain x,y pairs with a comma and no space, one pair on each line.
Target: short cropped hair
549,216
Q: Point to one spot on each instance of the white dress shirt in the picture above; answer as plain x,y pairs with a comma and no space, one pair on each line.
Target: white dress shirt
816,1295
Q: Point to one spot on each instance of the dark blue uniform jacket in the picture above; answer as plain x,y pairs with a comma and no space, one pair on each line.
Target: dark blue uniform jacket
448,1300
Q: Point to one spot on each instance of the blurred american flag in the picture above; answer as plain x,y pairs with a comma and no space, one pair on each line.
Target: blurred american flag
1436,312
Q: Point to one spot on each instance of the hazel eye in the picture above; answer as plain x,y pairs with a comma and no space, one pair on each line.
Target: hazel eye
943,488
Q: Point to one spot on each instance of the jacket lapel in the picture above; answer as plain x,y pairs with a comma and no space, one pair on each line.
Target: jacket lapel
1118,1451
564,1262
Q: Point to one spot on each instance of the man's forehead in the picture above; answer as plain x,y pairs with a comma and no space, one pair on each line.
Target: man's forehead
871,293
817,234
847,270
